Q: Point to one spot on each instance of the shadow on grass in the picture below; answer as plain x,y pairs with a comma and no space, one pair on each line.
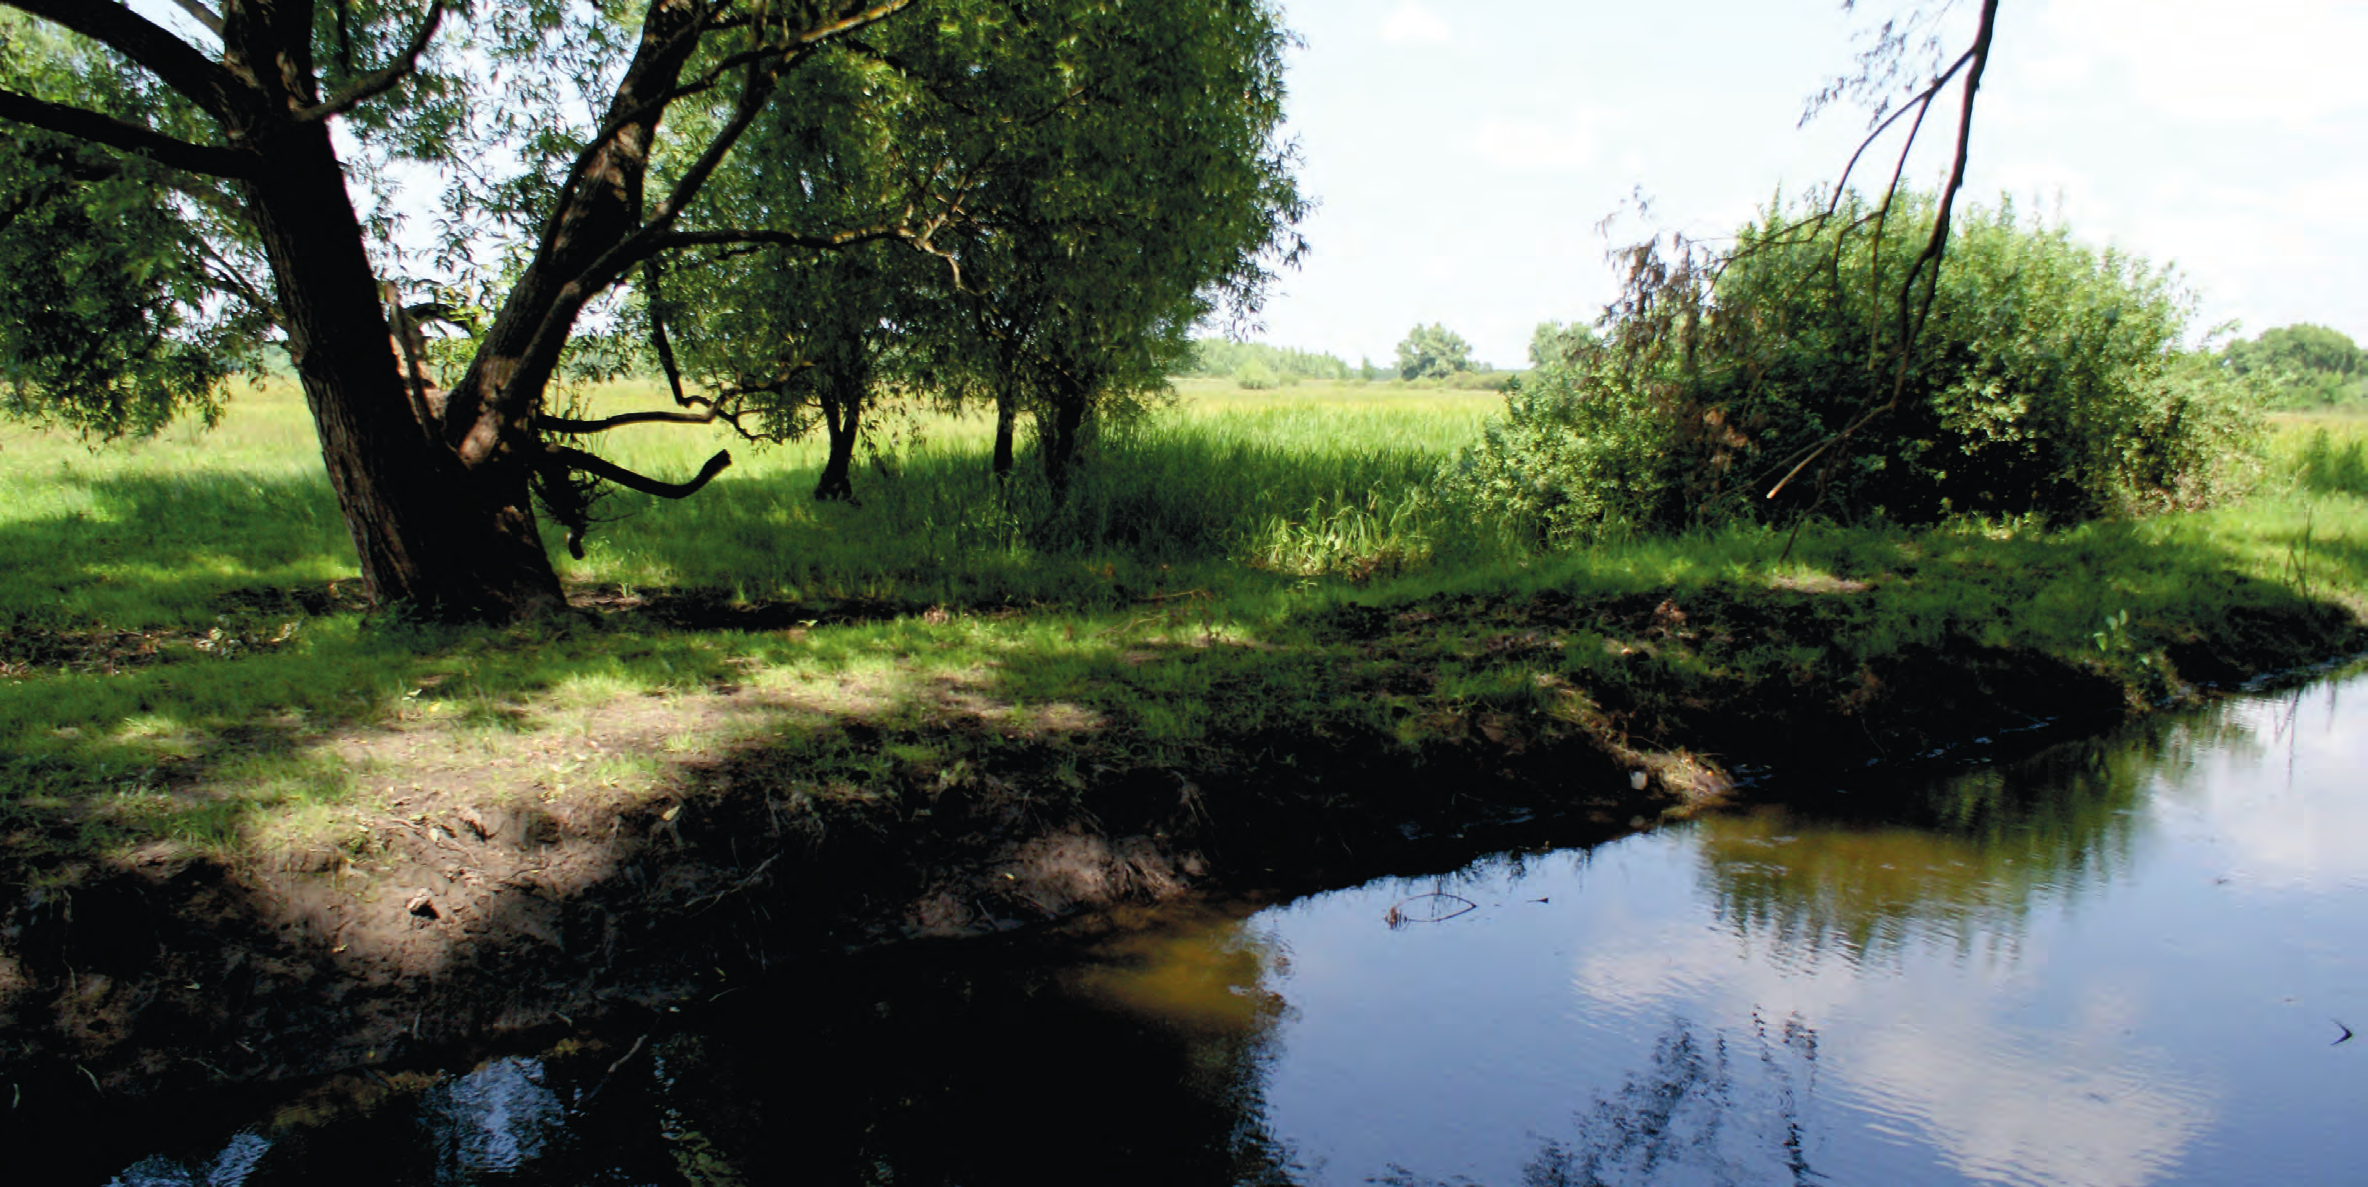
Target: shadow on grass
505,825
163,550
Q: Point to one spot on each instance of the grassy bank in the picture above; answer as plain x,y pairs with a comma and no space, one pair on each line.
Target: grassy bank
182,648
1250,649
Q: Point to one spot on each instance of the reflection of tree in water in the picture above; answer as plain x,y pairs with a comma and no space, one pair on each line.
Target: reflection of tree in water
1706,1108
1147,1063
1961,861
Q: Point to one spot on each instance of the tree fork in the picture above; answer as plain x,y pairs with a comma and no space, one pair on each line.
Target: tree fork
429,532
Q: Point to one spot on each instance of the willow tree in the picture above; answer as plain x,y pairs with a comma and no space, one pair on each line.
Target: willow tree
1120,176
1155,195
788,339
196,141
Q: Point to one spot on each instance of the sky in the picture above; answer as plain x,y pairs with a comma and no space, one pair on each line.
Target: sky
1465,152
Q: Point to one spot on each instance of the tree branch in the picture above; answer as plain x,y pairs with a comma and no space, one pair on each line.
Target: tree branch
92,126
517,394
204,16
152,46
660,343
671,240
379,82
1912,313
562,424
577,459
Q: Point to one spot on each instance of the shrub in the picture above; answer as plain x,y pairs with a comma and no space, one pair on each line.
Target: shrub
2049,380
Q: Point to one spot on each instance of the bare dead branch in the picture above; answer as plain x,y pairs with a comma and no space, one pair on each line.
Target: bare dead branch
379,82
92,126
1912,312
1917,103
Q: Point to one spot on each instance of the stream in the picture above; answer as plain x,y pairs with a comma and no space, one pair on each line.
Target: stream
2127,960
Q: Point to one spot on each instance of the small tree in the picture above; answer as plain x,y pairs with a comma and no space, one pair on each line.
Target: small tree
1432,351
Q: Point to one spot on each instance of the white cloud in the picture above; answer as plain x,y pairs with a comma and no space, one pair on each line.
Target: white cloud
1412,23
1569,145
2270,61
1933,1051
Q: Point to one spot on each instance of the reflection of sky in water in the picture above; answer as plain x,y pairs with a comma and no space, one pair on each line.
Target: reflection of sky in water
2289,812
2138,988
2119,963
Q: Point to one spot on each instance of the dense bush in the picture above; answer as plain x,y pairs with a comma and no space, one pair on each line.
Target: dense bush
2049,380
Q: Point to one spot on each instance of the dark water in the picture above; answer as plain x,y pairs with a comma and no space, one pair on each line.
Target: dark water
2123,961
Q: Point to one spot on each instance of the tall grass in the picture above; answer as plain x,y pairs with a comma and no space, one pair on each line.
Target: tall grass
1229,515
1323,479
154,533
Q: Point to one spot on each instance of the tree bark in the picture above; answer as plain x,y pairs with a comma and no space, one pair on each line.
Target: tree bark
441,512
429,532
1006,421
842,415
1067,420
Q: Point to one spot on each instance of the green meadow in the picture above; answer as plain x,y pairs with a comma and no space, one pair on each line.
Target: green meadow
187,661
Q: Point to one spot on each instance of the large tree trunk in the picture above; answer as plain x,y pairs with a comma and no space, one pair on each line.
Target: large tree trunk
1007,414
450,540
842,415
1062,426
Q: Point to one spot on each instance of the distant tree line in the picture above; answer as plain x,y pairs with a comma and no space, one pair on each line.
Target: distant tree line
2302,366
1256,365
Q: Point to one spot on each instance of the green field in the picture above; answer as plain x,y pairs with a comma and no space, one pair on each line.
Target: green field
186,662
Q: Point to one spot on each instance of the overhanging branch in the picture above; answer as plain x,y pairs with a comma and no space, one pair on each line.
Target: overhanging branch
1912,313
203,15
672,240
599,467
83,124
573,427
150,45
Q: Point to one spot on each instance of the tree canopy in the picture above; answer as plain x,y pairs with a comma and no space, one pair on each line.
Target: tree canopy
611,166
1554,342
1432,351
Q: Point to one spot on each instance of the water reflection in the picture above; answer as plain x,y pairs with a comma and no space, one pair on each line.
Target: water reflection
2122,962
2100,966
1142,1058
491,1122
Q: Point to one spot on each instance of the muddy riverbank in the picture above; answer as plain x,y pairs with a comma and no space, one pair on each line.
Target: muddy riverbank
487,906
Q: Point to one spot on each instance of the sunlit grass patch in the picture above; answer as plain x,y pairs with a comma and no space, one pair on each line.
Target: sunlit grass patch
1189,597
